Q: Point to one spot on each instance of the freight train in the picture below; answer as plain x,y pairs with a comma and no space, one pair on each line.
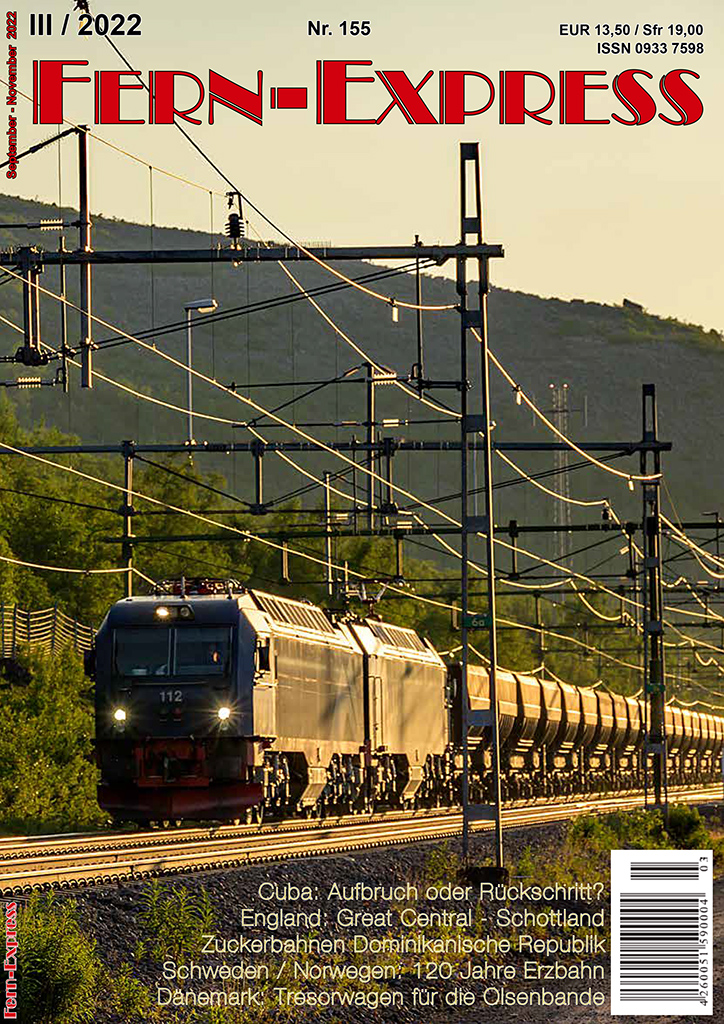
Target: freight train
218,702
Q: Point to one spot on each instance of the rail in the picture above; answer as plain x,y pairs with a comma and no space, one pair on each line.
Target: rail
61,862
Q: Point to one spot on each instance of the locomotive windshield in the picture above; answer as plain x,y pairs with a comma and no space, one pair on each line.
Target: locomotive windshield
142,652
202,651
180,651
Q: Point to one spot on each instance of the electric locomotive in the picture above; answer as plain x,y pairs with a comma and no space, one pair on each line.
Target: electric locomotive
213,701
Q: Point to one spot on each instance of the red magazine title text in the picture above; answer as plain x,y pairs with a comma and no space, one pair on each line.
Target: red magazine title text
518,97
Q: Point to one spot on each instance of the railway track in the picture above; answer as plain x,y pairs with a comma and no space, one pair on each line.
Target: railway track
70,861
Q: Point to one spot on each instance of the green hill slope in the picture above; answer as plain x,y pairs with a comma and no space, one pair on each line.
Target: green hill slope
603,352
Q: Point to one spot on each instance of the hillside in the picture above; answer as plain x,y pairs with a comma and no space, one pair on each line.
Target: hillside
603,352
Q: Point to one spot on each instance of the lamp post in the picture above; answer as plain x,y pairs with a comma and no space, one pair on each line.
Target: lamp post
199,306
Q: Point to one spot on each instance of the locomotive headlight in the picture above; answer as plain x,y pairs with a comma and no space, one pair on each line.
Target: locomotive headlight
162,612
185,612
120,715
224,714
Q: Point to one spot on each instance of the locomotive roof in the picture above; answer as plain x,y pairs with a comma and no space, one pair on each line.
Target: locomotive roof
207,609
286,611
389,640
277,614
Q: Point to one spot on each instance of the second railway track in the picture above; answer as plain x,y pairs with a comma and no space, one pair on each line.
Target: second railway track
52,862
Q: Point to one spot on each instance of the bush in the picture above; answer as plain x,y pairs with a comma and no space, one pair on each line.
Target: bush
47,782
174,919
642,830
686,829
632,830
441,865
126,996
58,965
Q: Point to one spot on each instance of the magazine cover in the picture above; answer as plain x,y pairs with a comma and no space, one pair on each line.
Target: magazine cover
361,512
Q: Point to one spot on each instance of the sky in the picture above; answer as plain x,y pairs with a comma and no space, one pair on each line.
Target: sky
598,212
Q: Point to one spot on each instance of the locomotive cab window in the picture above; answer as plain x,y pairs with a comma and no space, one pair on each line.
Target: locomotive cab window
184,651
143,652
263,656
202,651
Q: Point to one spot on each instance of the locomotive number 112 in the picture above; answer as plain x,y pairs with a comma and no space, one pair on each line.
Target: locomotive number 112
171,696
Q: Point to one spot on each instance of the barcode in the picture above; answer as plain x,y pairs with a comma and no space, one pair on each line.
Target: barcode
659,953
665,871
661,960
